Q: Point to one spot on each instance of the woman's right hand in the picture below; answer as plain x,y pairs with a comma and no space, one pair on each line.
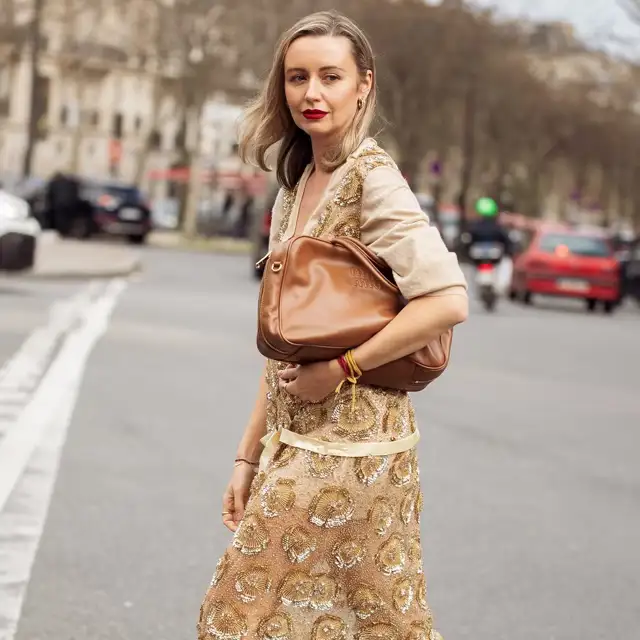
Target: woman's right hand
236,495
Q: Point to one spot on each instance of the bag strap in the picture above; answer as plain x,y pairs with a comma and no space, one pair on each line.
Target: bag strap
370,156
349,192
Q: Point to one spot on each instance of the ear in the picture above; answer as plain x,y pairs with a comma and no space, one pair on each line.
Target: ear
366,84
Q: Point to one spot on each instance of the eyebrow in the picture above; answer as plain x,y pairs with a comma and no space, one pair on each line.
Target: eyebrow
326,68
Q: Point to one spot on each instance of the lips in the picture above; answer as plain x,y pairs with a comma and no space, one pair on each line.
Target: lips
314,114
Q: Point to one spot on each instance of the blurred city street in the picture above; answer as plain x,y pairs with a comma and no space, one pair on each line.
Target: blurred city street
134,199
529,453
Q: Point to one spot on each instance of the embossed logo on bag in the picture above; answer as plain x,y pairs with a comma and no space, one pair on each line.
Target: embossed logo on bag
361,279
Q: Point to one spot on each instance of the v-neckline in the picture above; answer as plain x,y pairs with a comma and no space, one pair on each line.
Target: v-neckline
300,191
292,222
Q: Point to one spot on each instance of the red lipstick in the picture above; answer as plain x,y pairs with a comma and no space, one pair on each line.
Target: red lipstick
314,114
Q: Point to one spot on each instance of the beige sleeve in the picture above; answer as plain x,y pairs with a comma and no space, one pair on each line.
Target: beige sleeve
276,218
395,228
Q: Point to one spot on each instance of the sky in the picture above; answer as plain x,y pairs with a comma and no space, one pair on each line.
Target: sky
602,22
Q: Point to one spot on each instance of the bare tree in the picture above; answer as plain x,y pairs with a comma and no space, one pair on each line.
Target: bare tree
632,8
34,41
188,50
455,82
412,77
253,27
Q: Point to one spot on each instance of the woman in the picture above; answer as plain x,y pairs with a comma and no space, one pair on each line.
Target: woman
328,546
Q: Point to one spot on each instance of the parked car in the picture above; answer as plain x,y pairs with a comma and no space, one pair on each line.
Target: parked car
571,263
105,207
116,209
18,234
260,234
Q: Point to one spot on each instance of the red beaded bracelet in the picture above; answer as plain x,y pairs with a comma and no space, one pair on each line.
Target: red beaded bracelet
345,367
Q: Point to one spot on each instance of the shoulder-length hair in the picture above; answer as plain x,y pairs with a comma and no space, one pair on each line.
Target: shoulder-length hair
268,121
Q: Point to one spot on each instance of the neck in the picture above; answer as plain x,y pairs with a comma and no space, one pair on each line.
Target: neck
320,148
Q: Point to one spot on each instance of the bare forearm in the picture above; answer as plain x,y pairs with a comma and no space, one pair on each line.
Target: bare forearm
420,322
249,446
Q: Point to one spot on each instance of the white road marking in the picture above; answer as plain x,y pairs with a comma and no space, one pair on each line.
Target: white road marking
38,345
30,453
21,374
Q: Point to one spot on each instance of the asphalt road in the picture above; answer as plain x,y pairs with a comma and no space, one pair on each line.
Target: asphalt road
529,465
24,307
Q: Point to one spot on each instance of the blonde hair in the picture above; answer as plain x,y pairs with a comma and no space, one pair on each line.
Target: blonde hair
268,121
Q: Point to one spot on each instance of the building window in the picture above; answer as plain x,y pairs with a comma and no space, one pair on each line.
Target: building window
138,123
180,139
118,126
64,116
155,140
5,90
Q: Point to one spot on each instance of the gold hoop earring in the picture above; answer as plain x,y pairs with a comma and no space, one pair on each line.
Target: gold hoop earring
360,103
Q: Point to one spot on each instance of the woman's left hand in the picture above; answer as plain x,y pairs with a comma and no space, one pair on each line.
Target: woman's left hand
311,382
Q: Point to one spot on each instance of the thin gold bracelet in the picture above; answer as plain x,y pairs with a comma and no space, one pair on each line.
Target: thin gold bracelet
253,464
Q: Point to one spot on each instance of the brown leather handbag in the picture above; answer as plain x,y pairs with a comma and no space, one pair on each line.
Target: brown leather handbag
322,296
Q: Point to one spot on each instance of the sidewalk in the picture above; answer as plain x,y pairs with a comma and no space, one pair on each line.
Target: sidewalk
218,244
61,259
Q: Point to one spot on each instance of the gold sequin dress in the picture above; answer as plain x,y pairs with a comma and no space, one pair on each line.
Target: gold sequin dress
329,547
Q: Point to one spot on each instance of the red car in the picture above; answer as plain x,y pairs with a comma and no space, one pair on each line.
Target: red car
569,263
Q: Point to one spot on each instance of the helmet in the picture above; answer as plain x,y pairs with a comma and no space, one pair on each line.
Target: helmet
487,207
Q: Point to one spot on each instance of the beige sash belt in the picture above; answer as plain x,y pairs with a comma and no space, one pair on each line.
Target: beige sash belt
344,449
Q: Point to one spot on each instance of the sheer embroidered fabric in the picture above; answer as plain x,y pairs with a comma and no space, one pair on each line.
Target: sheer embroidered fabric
329,548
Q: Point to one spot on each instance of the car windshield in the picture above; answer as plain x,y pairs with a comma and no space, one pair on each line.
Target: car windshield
126,193
588,246
122,193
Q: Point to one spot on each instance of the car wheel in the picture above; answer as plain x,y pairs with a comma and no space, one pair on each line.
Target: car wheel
138,239
527,298
80,228
609,307
591,304
513,295
17,252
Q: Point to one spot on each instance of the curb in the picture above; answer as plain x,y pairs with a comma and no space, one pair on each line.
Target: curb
75,274
228,246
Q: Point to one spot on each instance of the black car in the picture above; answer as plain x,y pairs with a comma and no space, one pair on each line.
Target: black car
116,209
104,207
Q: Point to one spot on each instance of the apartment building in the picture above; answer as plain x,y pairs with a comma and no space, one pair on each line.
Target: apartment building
102,111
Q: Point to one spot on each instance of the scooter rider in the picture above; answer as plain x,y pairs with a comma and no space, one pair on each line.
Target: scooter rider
487,229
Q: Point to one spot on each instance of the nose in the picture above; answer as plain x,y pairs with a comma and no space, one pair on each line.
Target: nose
313,90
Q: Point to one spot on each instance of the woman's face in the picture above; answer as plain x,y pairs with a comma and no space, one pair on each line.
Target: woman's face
322,84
